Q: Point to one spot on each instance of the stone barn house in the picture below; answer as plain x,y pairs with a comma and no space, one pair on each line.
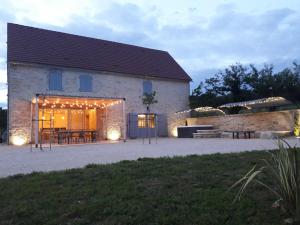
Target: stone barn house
67,88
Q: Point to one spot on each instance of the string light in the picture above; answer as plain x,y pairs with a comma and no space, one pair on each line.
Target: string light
184,111
60,107
201,109
58,103
208,109
248,104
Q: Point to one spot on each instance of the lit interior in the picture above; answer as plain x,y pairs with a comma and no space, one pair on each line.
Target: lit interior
68,119
65,113
142,120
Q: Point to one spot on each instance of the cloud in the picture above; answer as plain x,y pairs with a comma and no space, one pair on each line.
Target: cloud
201,42
126,23
3,87
3,94
55,12
3,105
3,75
232,36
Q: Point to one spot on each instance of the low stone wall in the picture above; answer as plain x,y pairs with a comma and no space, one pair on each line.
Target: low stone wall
264,121
175,120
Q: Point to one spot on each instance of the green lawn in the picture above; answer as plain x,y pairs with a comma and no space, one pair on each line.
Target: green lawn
181,190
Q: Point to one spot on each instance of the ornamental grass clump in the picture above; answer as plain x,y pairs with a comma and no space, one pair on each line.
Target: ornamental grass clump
282,169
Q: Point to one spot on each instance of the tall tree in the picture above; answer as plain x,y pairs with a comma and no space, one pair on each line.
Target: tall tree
261,82
287,84
198,91
239,83
230,82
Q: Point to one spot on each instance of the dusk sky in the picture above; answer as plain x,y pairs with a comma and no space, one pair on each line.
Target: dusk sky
203,36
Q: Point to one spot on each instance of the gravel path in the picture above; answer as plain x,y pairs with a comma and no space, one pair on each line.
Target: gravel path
15,160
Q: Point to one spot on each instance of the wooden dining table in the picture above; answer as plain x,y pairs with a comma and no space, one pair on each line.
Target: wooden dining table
69,134
236,133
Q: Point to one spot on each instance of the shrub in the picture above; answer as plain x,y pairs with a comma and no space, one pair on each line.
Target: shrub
282,168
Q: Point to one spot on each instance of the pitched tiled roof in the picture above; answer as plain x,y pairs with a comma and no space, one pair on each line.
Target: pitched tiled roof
33,45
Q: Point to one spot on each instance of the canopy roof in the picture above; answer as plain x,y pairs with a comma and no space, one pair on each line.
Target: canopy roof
201,109
65,102
258,103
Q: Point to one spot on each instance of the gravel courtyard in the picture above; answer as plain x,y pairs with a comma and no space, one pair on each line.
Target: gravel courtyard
16,160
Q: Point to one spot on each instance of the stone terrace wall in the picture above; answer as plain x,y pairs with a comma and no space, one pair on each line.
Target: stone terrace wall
265,121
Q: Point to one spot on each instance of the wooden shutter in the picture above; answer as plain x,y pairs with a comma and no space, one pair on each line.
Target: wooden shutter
55,80
147,86
162,125
85,83
132,125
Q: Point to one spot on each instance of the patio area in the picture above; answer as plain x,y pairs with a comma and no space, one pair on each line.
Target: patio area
16,160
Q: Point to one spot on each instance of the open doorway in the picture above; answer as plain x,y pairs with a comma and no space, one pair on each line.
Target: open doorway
72,120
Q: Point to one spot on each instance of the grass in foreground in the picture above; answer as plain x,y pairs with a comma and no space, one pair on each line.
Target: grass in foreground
180,190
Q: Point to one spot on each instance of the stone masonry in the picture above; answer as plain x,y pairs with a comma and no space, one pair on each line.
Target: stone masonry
26,80
264,121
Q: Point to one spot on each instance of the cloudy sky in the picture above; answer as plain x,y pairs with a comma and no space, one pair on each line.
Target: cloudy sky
203,36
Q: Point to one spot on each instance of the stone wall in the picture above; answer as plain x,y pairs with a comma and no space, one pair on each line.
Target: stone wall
26,80
115,122
264,121
177,119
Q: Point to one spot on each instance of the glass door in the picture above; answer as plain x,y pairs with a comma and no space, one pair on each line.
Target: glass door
77,119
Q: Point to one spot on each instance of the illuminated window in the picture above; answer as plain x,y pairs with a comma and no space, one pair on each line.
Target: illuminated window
142,120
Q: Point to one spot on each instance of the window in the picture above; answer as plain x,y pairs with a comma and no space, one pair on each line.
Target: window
85,83
142,120
55,80
147,87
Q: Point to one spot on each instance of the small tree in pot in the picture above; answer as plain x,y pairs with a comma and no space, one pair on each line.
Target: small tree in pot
148,100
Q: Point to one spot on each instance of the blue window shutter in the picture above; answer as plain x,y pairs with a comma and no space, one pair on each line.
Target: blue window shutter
132,125
85,83
147,87
162,123
55,80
